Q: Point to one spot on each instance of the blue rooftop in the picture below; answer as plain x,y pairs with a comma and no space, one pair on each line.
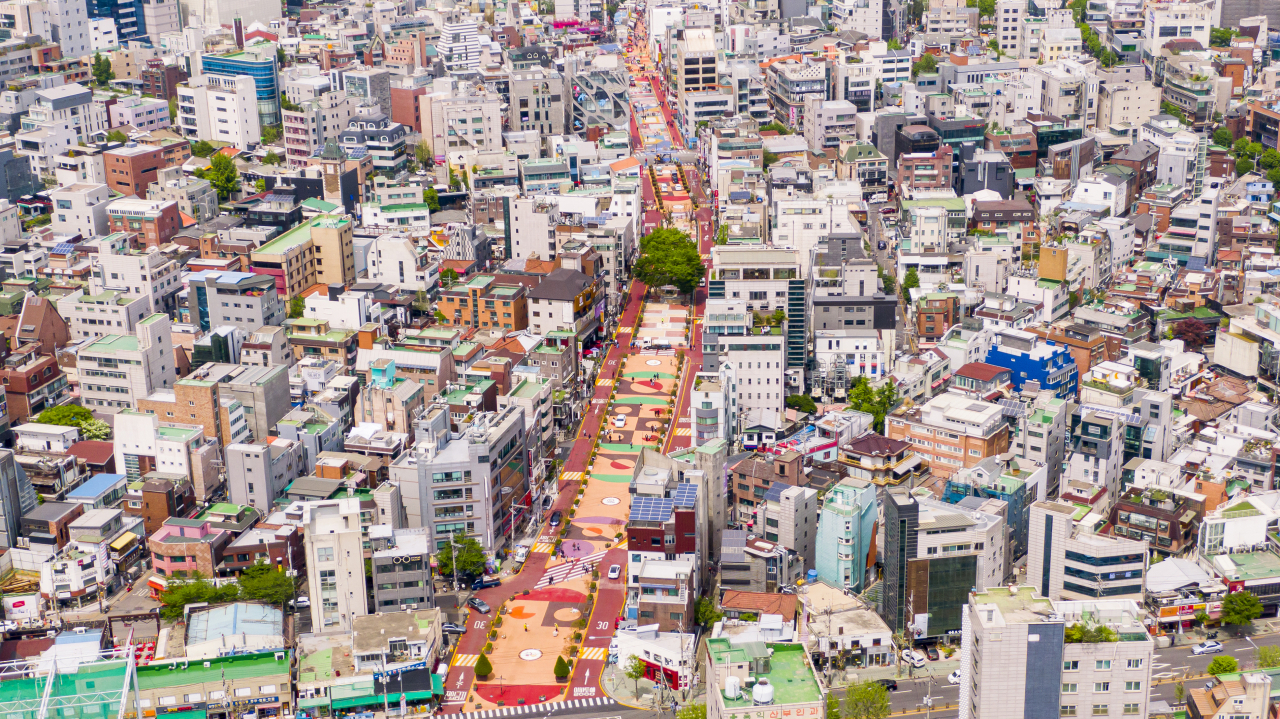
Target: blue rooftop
95,486
256,620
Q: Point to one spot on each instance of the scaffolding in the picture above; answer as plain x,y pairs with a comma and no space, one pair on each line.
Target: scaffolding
68,681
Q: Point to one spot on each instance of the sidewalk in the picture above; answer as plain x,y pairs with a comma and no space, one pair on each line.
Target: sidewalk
938,670
623,690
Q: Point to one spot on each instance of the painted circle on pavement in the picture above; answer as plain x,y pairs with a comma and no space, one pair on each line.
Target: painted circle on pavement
531,654
610,501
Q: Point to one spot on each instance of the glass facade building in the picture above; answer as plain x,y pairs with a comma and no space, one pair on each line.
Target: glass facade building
259,66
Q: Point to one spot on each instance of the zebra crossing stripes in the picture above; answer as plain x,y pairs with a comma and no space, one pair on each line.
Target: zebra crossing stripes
543,548
571,476
466,660
594,653
683,432
570,570
544,708
606,382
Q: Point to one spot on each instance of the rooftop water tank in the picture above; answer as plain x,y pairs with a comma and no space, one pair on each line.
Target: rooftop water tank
762,692
732,690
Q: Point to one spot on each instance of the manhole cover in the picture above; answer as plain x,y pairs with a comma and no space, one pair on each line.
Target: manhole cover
531,654
610,501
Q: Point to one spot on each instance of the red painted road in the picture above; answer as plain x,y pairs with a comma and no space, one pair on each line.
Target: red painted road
460,679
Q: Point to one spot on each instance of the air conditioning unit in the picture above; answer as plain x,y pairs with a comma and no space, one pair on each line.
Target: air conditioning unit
279,656
79,630
207,665
24,542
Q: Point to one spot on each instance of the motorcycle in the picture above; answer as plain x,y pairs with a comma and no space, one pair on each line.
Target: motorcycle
1211,635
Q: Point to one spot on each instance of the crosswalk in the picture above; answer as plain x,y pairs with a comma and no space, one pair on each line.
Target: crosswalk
466,660
543,548
544,708
570,570
594,653
605,382
683,432
571,476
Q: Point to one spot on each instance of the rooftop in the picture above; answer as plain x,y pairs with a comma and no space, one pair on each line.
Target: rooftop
788,670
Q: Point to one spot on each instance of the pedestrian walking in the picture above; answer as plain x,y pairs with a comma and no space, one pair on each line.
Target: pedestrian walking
526,627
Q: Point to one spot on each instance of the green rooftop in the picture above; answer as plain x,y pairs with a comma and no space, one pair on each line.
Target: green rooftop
177,434
1253,565
784,665
113,343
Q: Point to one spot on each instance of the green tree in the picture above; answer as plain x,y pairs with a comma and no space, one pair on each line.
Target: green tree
926,64
183,591
777,127
866,700
223,175
200,148
95,429
259,185
1240,608
1179,692
101,70
1240,147
693,711
449,277
265,583
297,307
706,612
1268,656
877,403
1269,159
1244,166
769,159
562,668
1174,111
722,235
894,44
286,104
422,151
270,133
910,282
467,553
173,109
669,257
1222,137
432,199
833,705
986,8
68,415
1201,617
117,136
1223,665
271,158
1221,36
802,402
1273,175
483,667
635,671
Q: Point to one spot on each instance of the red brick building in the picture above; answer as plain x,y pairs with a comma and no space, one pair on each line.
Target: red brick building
155,222
161,80
32,382
131,168
160,497
405,108
935,314
925,170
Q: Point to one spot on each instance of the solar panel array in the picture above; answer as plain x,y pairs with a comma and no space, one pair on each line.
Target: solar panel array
64,248
686,495
650,509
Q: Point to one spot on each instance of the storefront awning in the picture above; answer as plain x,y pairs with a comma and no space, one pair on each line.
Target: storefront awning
353,702
437,684
123,541
309,702
189,714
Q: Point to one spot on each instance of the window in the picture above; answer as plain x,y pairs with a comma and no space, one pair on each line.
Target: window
324,554
267,689
1071,666
1100,710
1068,688
1067,710
243,691
1130,708
1133,686
1102,664
1134,664
1101,687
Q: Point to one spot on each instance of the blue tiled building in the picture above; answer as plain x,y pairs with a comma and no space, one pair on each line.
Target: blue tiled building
1030,358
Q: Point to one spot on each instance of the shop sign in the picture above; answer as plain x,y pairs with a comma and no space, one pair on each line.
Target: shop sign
397,670
180,708
251,702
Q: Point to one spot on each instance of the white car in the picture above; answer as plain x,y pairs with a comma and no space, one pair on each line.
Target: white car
912,657
620,421
954,677
615,571
1207,648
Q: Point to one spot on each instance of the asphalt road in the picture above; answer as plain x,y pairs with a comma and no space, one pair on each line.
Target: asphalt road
1167,666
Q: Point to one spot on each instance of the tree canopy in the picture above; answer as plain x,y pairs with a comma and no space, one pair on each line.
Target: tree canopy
265,583
926,64
706,612
669,257
877,402
271,158
1223,665
469,556
802,402
1240,608
866,700
101,70
200,148
68,415
117,136
1222,136
910,282
181,592
223,175
1193,333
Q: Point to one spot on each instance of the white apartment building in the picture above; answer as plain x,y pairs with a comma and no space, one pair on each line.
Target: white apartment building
843,355
864,16
713,405
1067,559
1131,103
150,274
61,117
172,446
317,121
1235,528
27,17
102,34
756,356
143,113
161,18
117,370
459,44
1167,21
213,107
107,313
462,123
80,209
1018,647
335,563
966,531
70,21
257,474
400,261
194,196
222,13
73,166
1052,296
1009,14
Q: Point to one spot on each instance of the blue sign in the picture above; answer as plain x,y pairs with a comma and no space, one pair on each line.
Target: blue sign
398,670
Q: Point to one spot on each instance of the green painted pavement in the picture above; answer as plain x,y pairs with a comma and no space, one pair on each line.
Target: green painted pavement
641,400
614,478
630,448
648,375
